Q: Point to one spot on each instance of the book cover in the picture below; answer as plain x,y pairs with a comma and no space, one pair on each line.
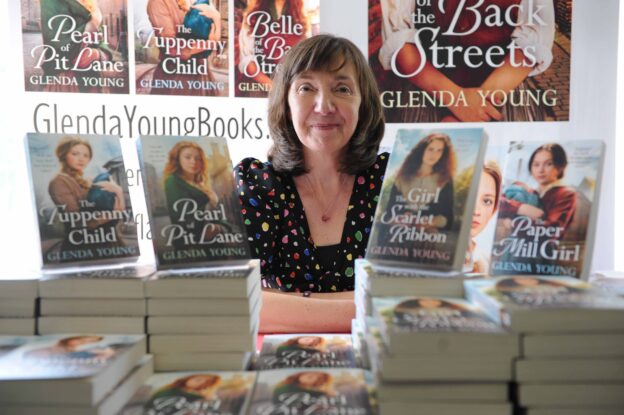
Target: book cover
432,315
81,198
75,46
548,209
193,206
471,61
63,356
312,391
427,198
181,47
193,393
264,32
501,297
306,350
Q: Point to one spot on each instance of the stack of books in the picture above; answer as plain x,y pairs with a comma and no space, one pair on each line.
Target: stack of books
71,374
205,318
419,237
204,302
572,335
18,305
281,351
440,355
106,300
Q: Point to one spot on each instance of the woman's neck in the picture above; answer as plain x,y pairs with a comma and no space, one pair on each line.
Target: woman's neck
424,170
279,6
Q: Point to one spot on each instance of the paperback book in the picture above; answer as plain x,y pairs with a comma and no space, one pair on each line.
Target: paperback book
182,47
264,33
547,304
306,350
75,46
200,393
313,391
440,326
81,198
66,369
453,60
427,199
192,202
548,209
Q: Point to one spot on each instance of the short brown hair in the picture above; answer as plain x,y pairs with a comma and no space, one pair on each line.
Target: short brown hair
558,154
324,53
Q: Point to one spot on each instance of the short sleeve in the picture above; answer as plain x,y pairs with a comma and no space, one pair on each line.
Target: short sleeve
256,197
537,32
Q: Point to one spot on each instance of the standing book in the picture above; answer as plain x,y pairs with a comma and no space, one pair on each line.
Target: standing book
192,202
427,199
81,198
548,209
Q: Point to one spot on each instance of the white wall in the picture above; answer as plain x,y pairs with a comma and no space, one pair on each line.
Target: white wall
593,112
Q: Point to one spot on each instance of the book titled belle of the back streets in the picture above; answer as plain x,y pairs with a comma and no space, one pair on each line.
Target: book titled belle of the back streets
75,46
471,61
427,199
181,47
193,206
81,198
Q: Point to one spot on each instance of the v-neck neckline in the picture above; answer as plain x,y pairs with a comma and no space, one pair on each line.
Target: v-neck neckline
306,226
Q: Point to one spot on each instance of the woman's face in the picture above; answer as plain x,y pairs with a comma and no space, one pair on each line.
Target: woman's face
307,341
433,153
324,108
526,281
543,169
78,157
430,303
198,381
484,207
190,161
310,379
78,341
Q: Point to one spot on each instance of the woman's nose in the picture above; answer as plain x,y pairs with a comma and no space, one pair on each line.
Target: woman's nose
324,103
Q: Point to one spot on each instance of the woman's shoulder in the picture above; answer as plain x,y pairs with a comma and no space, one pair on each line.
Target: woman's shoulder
62,180
252,171
378,168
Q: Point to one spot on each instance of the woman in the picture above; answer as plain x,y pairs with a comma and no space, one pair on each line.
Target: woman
188,389
309,209
506,70
411,311
69,189
253,47
517,285
312,344
187,179
478,261
167,18
558,202
427,170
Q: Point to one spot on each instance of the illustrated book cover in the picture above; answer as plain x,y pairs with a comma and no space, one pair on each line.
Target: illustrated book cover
181,47
81,198
264,33
306,350
75,46
193,206
538,303
313,391
548,209
200,393
427,199
471,61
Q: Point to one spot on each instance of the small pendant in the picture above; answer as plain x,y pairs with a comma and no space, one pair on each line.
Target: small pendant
325,218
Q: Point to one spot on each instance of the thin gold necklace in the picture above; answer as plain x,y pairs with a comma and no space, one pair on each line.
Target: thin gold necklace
325,214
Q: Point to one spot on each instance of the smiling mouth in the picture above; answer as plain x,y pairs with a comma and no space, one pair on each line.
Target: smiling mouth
324,126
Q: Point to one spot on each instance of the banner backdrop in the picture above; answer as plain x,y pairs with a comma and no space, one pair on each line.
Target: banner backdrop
591,114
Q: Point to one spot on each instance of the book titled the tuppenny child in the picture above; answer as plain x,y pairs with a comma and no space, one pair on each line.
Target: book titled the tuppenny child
81,199
191,197
427,199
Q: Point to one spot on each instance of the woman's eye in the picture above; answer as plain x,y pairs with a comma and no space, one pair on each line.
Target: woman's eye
343,89
304,88
488,202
